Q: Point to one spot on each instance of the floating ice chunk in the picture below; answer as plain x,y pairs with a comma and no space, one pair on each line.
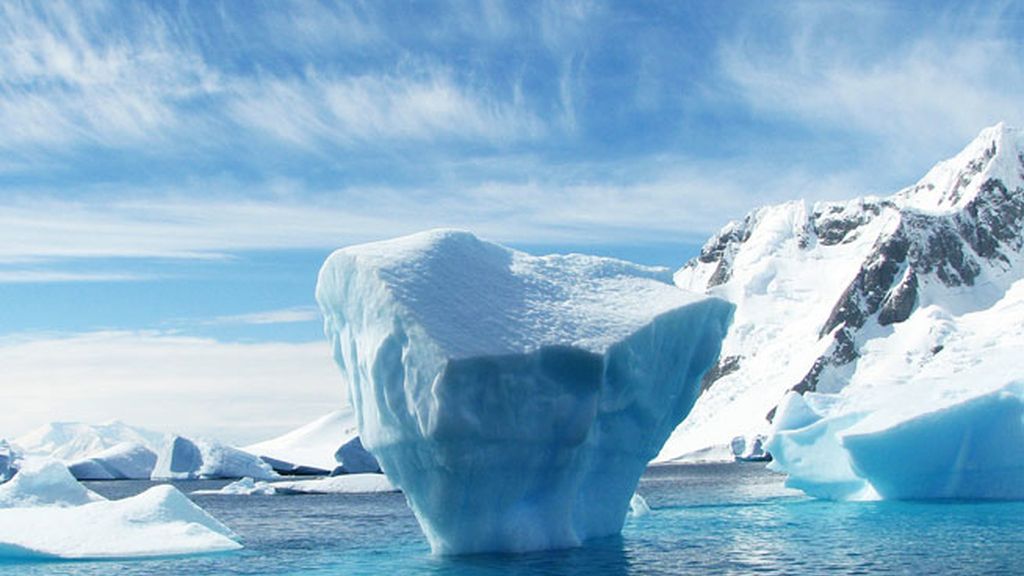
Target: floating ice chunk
354,459
184,459
638,506
346,484
158,522
973,449
125,461
514,399
43,482
243,487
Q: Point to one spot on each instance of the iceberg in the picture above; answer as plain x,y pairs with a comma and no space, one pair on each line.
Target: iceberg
46,514
184,459
8,461
44,483
125,461
313,445
514,399
354,459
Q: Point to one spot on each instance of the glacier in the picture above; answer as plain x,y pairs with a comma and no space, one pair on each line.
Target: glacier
185,459
514,399
45,514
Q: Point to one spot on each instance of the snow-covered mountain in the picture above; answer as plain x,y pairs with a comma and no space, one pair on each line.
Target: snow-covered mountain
862,295
71,441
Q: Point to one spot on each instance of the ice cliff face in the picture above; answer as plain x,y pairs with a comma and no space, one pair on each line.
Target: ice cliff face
854,299
514,399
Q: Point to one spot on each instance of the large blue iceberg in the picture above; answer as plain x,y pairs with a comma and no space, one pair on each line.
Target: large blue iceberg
514,399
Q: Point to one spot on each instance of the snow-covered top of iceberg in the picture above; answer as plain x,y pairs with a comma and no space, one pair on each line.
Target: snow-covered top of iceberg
475,298
313,444
46,514
44,483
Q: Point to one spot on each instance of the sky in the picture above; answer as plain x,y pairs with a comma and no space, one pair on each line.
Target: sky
172,174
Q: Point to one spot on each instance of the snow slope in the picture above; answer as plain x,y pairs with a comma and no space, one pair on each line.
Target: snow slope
514,399
314,444
858,297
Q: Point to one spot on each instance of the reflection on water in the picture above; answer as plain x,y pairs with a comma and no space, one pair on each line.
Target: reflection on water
706,519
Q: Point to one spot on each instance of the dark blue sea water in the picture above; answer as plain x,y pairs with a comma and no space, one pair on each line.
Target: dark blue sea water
706,519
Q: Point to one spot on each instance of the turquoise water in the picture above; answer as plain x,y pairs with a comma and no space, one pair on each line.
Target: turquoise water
706,519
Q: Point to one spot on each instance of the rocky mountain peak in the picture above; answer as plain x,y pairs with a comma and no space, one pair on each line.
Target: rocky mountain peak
996,154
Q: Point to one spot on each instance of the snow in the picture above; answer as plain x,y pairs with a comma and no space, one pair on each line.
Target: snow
514,399
345,484
786,278
72,441
314,444
125,461
44,483
916,425
185,459
46,514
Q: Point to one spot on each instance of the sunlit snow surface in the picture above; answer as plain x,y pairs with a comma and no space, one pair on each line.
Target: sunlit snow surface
46,513
951,428
514,399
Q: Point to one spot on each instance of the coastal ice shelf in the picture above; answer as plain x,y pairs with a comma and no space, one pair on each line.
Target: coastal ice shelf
514,399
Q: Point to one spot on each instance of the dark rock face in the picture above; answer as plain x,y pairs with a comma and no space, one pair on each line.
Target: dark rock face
950,248
722,249
726,365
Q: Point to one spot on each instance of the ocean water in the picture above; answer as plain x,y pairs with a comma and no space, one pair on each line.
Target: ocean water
705,519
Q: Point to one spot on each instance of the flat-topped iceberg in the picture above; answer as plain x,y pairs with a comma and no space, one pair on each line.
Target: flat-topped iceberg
46,514
515,399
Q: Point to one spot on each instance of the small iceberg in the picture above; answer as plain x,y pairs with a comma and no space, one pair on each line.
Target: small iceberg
952,445
46,514
185,459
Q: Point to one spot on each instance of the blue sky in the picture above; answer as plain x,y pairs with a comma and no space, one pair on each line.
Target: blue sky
172,174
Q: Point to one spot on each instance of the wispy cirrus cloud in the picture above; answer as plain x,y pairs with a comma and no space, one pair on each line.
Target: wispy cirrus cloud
282,316
920,81
22,276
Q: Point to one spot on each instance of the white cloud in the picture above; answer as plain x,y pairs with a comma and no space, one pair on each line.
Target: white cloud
232,391
282,316
59,276
671,200
322,109
920,94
